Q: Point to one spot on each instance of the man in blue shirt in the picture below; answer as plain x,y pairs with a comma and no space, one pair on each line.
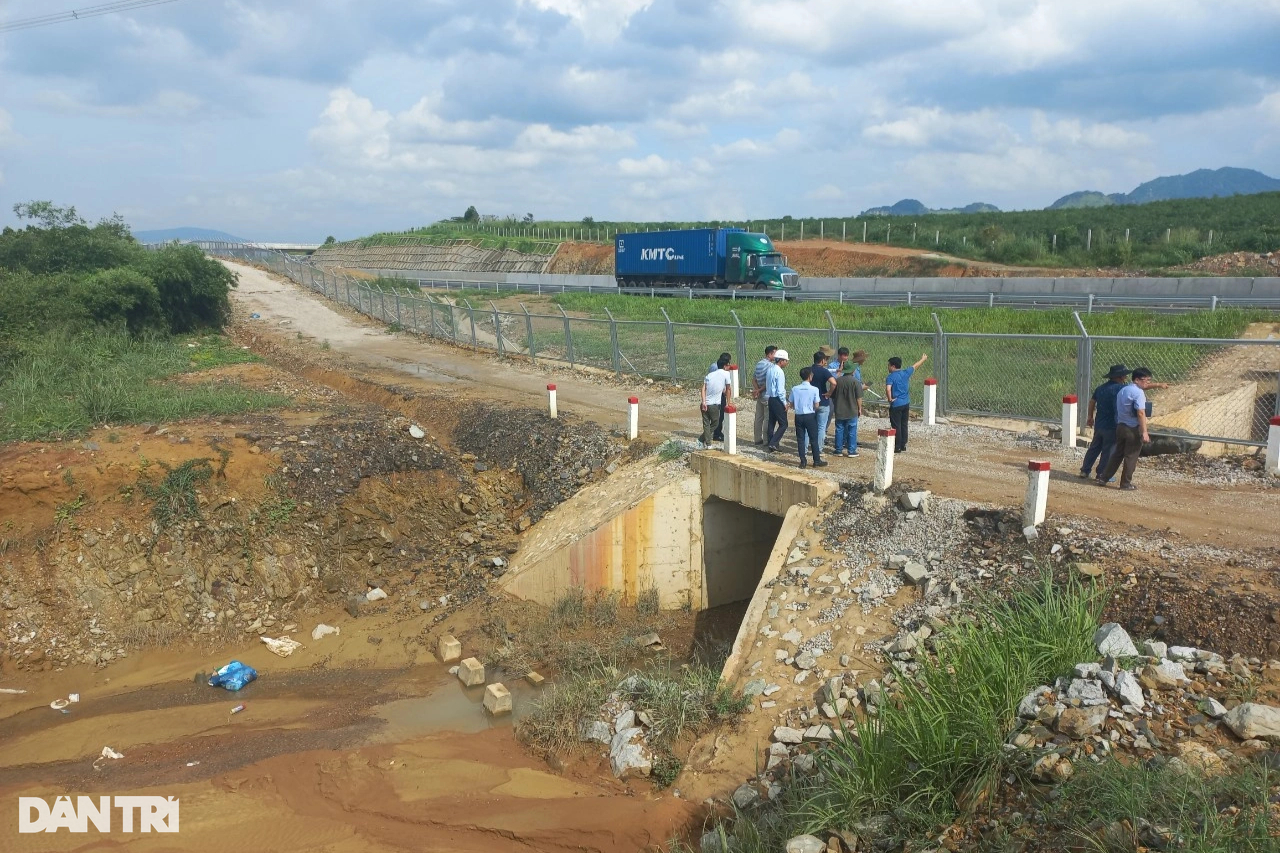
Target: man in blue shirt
805,401
1131,430
898,394
757,393
775,392
820,377
1102,417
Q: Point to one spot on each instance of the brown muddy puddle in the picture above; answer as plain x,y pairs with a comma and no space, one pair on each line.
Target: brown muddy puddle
337,753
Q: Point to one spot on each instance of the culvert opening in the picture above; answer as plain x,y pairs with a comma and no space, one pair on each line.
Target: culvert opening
736,543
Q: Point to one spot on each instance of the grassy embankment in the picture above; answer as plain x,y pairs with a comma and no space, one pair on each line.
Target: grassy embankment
1159,234
936,752
93,328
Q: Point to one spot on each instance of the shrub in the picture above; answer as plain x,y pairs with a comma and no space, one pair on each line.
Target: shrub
194,291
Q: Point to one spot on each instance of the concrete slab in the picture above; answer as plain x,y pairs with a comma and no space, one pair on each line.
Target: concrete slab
448,649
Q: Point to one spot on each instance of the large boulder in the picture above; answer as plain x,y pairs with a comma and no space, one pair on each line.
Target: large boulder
1252,721
1175,441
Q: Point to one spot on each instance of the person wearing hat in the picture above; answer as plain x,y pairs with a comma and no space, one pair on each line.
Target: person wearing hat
1102,417
1131,430
775,392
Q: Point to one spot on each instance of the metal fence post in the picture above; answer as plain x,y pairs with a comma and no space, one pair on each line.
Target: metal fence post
568,335
835,336
497,327
1213,302
940,353
1084,370
431,317
471,314
399,322
348,280
528,330
742,339
1089,310
671,344
613,341
991,300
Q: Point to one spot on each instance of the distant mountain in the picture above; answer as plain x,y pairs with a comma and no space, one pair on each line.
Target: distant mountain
1202,183
911,207
168,235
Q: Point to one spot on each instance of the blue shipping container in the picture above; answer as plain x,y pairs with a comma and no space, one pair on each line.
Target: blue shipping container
696,254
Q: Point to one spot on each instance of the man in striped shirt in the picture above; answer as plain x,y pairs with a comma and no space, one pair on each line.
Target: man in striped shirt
757,393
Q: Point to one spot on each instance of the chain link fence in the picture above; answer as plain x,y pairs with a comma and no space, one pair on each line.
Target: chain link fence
1219,390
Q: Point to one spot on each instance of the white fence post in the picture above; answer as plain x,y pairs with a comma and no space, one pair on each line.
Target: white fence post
551,396
633,404
733,375
1070,404
884,459
1273,446
930,402
731,430
1033,509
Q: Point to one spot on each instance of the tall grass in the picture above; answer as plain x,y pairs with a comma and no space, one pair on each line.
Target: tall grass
62,384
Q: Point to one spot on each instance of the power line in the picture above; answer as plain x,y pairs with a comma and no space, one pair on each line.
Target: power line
78,14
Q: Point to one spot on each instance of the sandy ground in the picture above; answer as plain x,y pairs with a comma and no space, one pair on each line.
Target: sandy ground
968,463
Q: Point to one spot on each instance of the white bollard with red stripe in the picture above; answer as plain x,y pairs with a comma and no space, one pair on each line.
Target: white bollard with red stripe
1273,447
885,439
930,402
1070,429
733,376
633,429
731,430
551,399
1037,502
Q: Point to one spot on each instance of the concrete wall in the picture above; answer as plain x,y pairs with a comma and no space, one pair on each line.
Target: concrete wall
757,485
1229,415
736,542
655,543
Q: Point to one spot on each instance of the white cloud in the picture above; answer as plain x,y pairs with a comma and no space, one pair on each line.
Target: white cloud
917,127
164,105
1077,133
598,19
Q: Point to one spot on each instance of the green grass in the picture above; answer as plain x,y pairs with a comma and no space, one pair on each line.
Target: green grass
937,745
61,385
1107,807
175,494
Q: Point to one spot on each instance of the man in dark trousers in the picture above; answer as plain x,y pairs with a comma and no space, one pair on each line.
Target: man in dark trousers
805,402
722,363
898,394
1131,430
757,393
775,393
820,377
1102,417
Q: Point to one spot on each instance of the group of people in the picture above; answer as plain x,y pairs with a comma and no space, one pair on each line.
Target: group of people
1118,413
826,391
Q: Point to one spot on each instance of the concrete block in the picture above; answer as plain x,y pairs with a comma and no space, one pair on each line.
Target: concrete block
535,679
448,649
497,698
471,672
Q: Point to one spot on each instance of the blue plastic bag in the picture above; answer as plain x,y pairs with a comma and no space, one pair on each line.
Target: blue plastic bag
233,676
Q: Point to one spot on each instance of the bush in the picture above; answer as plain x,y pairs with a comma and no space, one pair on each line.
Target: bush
194,291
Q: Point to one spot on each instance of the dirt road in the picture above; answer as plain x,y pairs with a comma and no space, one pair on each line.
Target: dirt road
969,463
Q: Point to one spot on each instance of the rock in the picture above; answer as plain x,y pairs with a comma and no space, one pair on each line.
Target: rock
1155,650
914,501
712,841
497,699
803,763
786,734
323,630
915,573
448,649
627,758
1114,641
822,732
1089,570
745,796
753,688
905,643
1183,654
375,594
806,844
1087,670
795,556
1211,707
1252,720
793,637
1128,690
534,678
416,431
1079,723
1030,704
1030,533
625,720
1088,691
806,660
595,731
471,672
1166,445
897,561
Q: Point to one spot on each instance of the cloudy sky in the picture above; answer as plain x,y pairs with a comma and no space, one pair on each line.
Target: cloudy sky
295,119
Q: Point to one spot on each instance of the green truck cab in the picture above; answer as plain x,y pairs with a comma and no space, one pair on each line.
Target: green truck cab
751,261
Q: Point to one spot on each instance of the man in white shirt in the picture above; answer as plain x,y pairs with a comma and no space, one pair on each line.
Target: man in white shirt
713,390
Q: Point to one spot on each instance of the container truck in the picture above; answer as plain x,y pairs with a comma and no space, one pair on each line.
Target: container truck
701,257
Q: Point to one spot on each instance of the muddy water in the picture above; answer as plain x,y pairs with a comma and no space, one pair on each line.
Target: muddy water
344,746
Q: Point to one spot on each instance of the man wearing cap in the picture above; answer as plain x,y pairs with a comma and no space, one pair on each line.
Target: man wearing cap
1131,430
757,393
1102,417
775,391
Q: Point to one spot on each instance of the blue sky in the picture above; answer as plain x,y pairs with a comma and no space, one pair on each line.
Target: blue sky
296,119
